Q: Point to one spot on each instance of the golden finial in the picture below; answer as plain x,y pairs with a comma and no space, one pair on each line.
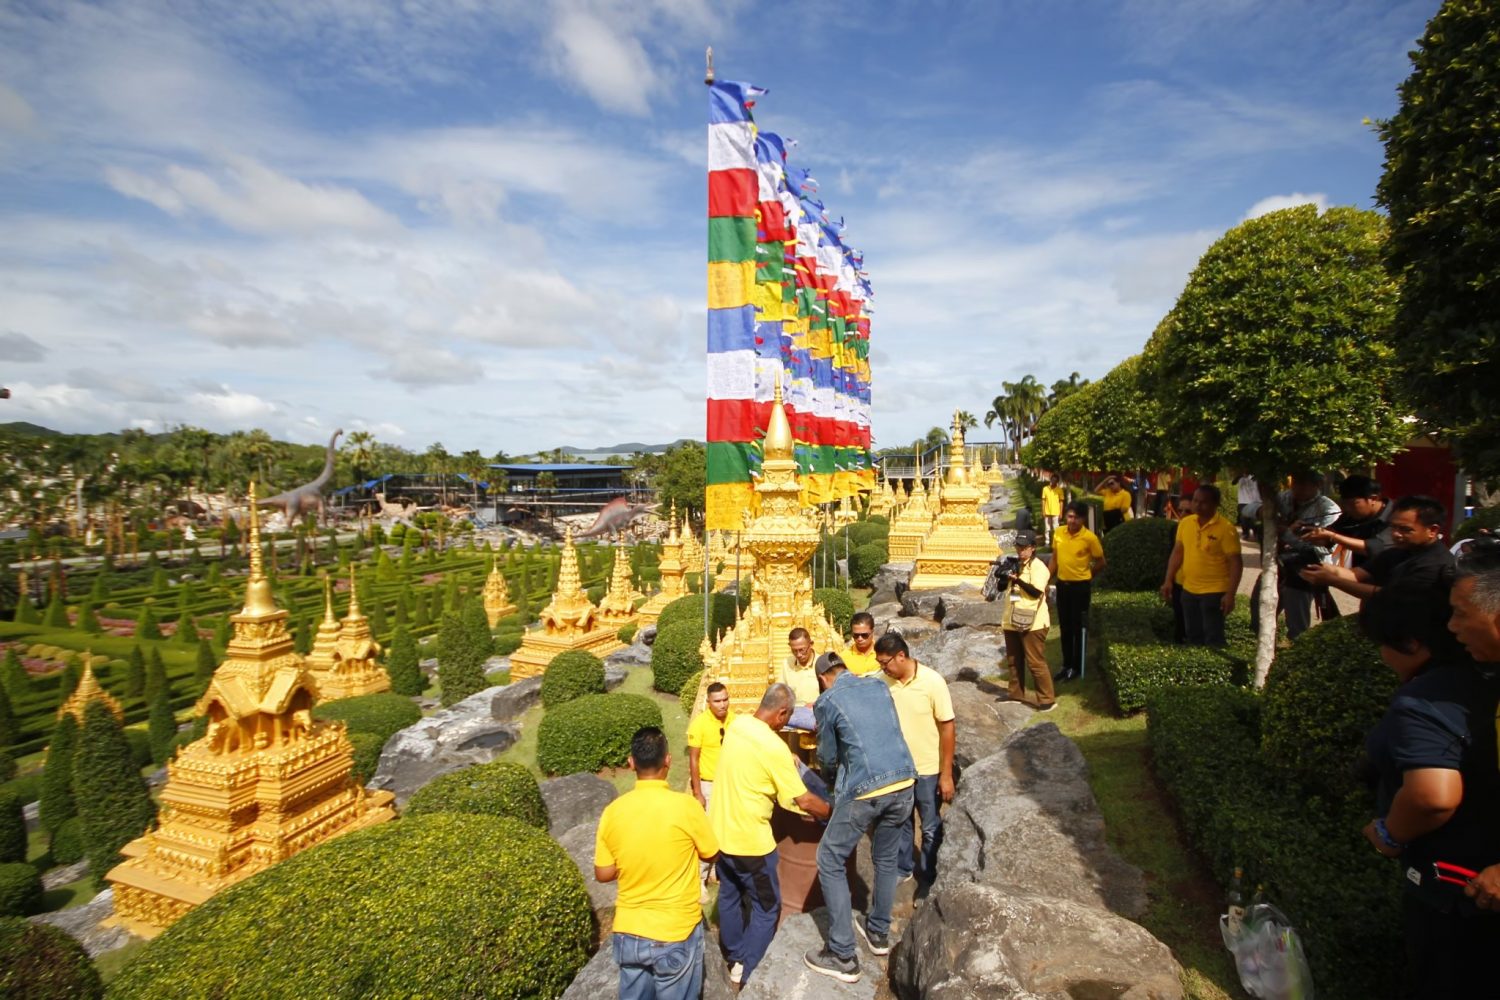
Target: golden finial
353,594
259,601
779,444
672,538
88,689
327,598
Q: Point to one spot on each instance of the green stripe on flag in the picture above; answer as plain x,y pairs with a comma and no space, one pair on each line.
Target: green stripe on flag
731,238
728,462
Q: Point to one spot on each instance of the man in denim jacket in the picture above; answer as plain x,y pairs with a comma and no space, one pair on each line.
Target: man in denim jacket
860,736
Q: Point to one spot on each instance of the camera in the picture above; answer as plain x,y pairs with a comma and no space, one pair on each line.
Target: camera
1007,565
1296,557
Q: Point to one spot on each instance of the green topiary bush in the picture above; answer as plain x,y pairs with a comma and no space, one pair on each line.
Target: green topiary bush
627,632
380,715
20,889
690,609
12,828
460,659
1323,695
688,696
508,642
1137,552
7,765
865,532
1129,616
27,786
404,665
1133,672
592,732
140,747
439,905
675,656
67,843
367,747
56,801
865,562
838,607
572,675
113,802
501,788
40,962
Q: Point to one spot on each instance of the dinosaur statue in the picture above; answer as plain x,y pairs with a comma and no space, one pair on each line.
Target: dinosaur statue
308,497
615,516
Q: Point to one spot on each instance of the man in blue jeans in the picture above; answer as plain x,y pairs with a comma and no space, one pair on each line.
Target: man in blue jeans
860,736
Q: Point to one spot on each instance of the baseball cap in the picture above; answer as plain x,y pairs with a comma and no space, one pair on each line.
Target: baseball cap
827,662
1025,537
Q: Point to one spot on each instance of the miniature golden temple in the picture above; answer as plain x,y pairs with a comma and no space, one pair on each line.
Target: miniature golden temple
344,661
617,608
89,689
671,568
960,548
496,598
911,525
569,621
782,539
883,500
266,782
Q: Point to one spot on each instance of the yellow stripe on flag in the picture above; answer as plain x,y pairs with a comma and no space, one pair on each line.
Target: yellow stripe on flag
724,504
767,301
729,283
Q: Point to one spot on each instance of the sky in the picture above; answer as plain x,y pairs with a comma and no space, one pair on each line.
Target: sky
481,222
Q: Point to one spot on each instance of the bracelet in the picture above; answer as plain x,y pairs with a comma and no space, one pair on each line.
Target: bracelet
1385,836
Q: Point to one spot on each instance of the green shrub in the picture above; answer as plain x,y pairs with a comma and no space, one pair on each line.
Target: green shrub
879,519
161,727
1133,672
865,532
8,729
690,609
404,665
838,607
204,665
12,828
26,612
146,625
56,801
865,562
1129,616
627,632
501,788
13,675
572,675
381,715
1323,695
441,905
7,766
187,630
140,746
27,786
507,643
113,802
592,732
135,673
1484,517
40,962
88,621
460,659
1137,552
66,845
20,889
56,615
675,656
688,697
367,747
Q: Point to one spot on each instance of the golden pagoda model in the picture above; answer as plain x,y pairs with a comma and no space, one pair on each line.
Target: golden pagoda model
266,782
671,575
845,514
569,621
911,525
900,494
357,668
882,501
749,656
617,609
960,548
497,603
692,549
89,689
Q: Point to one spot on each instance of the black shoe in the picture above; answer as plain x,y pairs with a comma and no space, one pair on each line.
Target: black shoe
826,962
878,944
1071,674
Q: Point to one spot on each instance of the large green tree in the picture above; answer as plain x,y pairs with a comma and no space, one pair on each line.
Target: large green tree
113,803
1442,189
682,477
1277,358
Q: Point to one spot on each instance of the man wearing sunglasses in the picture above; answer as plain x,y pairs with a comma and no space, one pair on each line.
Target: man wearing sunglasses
860,657
705,736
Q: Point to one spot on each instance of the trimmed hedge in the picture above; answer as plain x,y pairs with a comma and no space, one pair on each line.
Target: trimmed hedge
40,962
838,607
571,675
865,561
1317,867
592,732
380,715
67,842
688,696
675,656
12,828
114,806
367,747
1322,697
865,532
27,786
501,788
20,889
440,905
690,609
1137,552
627,632
1133,672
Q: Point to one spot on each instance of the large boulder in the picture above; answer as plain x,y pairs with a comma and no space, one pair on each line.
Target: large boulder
87,924
889,582
962,653
513,700
637,654
983,718
463,734
967,608
981,942
1025,821
913,629
921,603
614,675
782,973
579,843
574,800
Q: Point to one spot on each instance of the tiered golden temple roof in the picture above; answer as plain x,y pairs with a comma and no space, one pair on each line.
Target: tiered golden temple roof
89,689
569,621
960,548
671,574
496,599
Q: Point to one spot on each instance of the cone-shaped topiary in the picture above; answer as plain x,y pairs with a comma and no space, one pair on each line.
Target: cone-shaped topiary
135,673
500,788
66,845
187,630
203,672
57,612
377,615
56,803
113,802
40,962
99,590
403,608
403,664
223,632
7,720
572,675
161,727
13,827
156,674
592,732
146,625
460,662
7,766
26,612
13,675
88,621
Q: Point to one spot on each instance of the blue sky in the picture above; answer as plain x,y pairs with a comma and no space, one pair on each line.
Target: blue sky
482,223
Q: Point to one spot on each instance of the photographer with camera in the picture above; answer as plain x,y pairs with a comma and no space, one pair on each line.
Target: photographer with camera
1364,529
1300,511
1024,621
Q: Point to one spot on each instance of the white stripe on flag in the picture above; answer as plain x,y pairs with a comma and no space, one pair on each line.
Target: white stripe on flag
731,375
731,146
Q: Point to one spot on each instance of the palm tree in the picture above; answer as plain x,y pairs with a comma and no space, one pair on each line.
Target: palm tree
360,446
474,467
1063,388
437,461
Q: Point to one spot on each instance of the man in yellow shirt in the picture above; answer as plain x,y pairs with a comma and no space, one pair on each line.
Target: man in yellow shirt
1053,498
756,773
925,709
1076,556
705,735
1207,551
1116,503
860,658
651,840
797,674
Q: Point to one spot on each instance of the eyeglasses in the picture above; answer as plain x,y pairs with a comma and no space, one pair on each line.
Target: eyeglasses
862,635
882,663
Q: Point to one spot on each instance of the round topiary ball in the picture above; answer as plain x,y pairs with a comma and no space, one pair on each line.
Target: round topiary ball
20,889
865,532
500,788
1137,552
593,732
865,562
572,675
67,842
40,962
675,656
1322,696
838,607
688,697
381,715
690,609
438,905
367,747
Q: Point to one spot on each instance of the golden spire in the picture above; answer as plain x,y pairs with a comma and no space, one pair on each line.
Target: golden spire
88,690
958,473
259,601
353,596
672,538
779,444
327,599
325,644
567,572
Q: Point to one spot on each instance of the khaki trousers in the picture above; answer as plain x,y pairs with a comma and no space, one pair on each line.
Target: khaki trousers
1027,652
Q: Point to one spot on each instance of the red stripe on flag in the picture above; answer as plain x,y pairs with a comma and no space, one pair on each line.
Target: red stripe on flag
731,192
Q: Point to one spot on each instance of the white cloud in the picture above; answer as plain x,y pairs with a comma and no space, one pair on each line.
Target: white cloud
17,348
418,366
609,66
229,405
1276,202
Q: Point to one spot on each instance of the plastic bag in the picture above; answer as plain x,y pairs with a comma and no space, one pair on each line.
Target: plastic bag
1268,955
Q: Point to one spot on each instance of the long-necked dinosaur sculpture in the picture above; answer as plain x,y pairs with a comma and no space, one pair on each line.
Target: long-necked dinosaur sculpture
308,497
615,517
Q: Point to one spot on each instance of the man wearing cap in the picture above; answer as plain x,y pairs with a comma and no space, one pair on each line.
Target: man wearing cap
858,733
925,709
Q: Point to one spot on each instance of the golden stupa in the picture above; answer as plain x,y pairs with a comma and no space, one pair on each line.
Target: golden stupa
692,549
900,494
749,656
617,608
911,525
266,782
960,548
671,567
569,621
497,602
882,500
845,514
88,689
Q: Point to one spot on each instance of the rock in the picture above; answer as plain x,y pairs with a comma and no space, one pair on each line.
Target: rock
83,922
32,813
65,874
646,636
967,607
574,800
981,942
512,700
921,603
495,663
579,843
914,630
462,734
883,610
429,666
961,653
614,676
782,973
1025,821
637,654
889,582
983,717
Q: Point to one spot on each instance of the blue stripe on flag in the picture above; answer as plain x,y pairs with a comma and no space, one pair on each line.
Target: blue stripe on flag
731,329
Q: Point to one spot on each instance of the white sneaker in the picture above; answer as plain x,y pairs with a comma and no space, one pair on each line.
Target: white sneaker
736,972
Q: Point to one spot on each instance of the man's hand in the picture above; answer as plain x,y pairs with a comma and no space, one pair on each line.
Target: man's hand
1321,536
945,787
1166,591
698,794
1226,603
1485,890
1323,574
1380,846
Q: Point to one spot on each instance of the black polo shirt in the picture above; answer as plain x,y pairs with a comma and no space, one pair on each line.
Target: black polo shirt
1375,532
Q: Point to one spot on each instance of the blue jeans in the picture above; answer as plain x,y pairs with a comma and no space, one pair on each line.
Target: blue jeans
748,884
886,819
926,795
1202,619
659,970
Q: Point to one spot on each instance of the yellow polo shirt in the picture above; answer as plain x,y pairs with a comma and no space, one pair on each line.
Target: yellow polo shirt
1205,553
921,703
860,663
1052,501
1075,554
655,836
707,734
1116,500
756,771
802,680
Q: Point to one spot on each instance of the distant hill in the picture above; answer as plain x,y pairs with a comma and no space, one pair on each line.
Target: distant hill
24,428
627,449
